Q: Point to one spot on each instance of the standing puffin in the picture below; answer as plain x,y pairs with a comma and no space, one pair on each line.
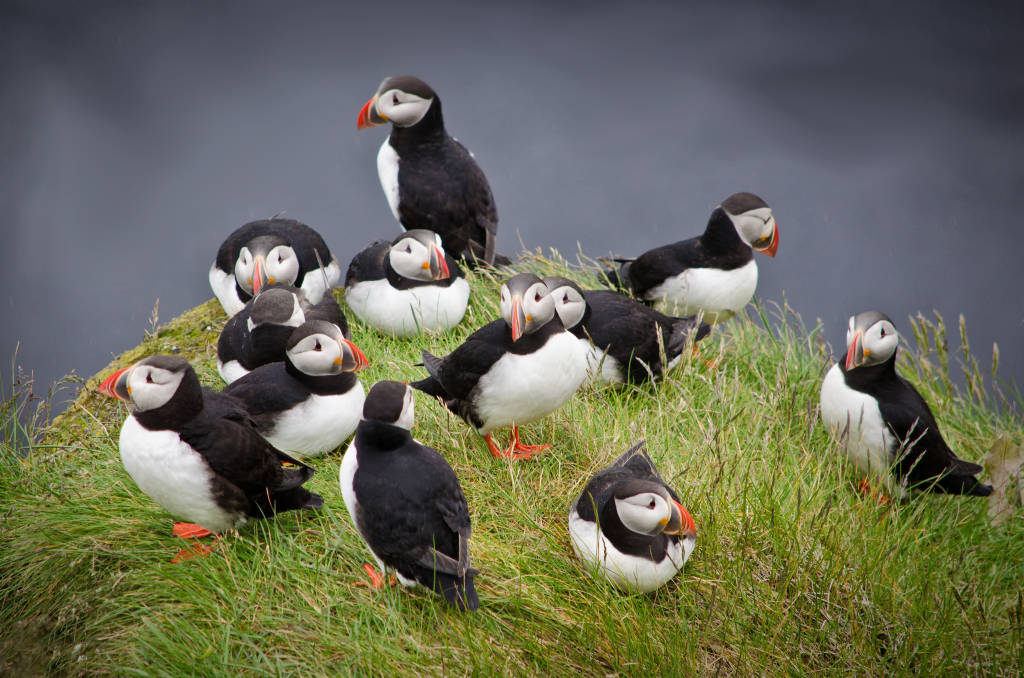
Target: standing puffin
623,339
406,500
511,371
882,423
310,403
431,181
257,334
197,454
714,272
628,526
267,251
407,286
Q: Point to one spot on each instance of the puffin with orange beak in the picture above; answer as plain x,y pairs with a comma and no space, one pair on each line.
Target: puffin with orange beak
310,403
882,424
272,251
430,180
511,371
714,273
196,453
407,286
628,527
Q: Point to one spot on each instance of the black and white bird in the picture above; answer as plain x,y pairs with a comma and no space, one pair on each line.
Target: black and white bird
406,501
628,527
431,181
197,454
714,272
511,371
309,403
883,425
268,251
624,340
257,334
407,286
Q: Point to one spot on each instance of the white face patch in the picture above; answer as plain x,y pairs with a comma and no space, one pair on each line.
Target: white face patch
569,305
755,226
151,387
282,265
537,306
402,108
643,513
244,269
880,342
411,259
408,416
317,355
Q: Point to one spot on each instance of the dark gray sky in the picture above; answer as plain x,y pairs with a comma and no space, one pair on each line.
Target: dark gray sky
136,136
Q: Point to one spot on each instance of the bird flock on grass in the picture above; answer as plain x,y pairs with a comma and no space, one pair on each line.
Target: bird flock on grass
219,458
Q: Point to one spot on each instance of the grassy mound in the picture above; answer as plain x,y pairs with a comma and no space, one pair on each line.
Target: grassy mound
794,571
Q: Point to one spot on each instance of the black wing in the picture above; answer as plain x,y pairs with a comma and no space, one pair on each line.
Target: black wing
368,264
654,266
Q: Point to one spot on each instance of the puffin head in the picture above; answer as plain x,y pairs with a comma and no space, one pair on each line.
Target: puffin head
646,507
390,402
401,100
418,254
276,306
318,348
526,304
264,260
870,340
568,299
149,383
754,222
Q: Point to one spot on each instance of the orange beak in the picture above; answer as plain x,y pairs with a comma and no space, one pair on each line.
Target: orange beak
257,276
441,271
109,387
773,246
354,359
518,320
855,351
368,115
683,525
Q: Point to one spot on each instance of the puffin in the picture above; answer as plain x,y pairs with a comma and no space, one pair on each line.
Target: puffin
267,251
197,454
883,425
714,273
511,371
430,180
406,501
407,286
623,339
628,527
257,334
309,403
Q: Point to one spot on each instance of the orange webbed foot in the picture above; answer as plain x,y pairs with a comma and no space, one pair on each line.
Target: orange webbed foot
190,531
194,550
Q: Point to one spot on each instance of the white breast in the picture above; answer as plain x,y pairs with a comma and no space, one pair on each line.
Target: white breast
519,389
387,170
319,424
173,475
231,371
855,421
316,282
428,308
718,293
631,573
223,285
600,365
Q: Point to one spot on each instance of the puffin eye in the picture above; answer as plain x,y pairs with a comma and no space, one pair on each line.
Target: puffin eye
652,504
408,249
317,347
149,377
565,299
394,99
536,296
883,332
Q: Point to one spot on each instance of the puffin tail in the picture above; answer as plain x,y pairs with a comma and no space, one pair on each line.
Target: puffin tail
682,330
295,499
460,593
960,480
431,385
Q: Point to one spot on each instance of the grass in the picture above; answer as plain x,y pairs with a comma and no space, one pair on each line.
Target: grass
794,571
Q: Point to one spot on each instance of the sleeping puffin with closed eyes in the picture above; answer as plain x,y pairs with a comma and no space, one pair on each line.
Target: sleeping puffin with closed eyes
430,180
268,251
406,501
407,286
513,370
197,454
623,339
628,527
310,402
883,425
258,334
714,273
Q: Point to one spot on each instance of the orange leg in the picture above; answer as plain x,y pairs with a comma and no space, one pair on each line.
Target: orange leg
516,450
864,487
376,581
194,550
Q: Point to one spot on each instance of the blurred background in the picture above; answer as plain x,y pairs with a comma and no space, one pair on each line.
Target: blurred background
887,137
